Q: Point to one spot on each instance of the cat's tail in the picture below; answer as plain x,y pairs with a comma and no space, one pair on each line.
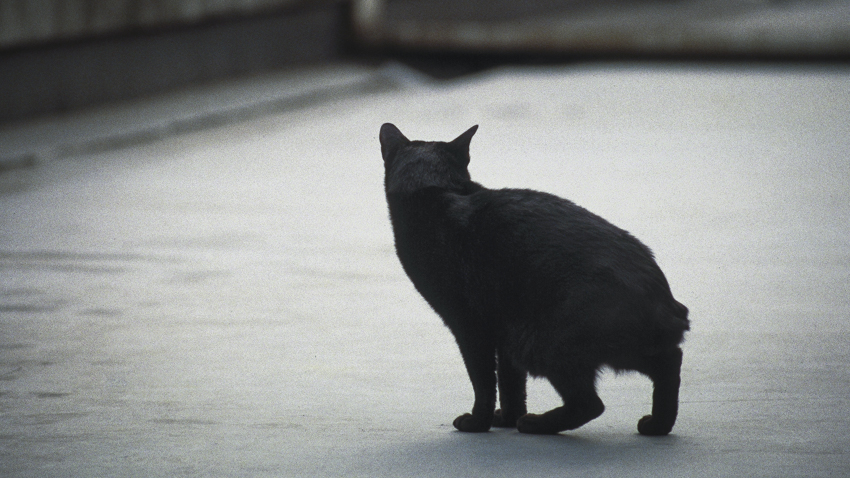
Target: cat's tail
672,320
680,312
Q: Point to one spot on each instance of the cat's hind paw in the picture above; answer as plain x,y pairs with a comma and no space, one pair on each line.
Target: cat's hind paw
470,423
536,424
650,426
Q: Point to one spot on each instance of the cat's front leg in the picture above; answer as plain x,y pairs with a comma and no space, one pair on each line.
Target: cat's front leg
512,394
480,360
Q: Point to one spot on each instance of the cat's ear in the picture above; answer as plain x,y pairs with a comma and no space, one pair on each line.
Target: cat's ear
460,145
391,140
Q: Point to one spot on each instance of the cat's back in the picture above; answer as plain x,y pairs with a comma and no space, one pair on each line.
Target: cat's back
547,240
541,219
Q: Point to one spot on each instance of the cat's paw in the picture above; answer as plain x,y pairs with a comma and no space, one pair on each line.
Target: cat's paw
505,420
652,427
470,423
536,424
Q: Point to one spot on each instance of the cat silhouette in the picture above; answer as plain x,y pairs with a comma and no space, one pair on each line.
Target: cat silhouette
530,283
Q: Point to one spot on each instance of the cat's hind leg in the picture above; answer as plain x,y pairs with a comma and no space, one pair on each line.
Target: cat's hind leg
511,380
581,405
664,370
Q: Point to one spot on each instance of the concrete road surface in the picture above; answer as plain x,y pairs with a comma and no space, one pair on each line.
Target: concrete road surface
225,300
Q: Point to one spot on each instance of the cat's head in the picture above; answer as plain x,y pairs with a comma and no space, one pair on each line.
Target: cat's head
413,165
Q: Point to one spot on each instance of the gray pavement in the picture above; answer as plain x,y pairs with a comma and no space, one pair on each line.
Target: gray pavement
226,301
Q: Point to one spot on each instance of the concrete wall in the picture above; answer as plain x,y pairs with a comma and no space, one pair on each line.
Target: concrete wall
24,22
57,55
52,65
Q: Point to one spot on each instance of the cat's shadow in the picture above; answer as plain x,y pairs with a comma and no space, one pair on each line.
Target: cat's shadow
510,453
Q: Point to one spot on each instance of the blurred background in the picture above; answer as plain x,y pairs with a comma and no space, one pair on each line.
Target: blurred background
59,55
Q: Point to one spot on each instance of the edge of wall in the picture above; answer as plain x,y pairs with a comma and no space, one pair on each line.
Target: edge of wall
55,78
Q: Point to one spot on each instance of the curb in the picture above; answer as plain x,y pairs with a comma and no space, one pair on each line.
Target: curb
132,122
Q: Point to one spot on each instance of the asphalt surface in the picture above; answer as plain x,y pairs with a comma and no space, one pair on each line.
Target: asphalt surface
222,298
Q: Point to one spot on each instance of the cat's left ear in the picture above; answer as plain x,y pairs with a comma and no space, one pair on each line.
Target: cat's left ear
391,140
461,144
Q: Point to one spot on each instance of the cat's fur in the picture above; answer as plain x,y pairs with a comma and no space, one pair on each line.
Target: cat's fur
530,283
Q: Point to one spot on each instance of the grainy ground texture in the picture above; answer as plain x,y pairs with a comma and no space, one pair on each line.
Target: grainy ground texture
205,284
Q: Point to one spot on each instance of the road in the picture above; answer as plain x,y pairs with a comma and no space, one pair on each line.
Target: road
222,298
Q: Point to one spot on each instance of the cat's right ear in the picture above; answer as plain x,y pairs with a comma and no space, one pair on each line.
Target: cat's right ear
460,145
391,140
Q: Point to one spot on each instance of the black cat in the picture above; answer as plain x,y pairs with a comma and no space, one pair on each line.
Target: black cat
530,283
